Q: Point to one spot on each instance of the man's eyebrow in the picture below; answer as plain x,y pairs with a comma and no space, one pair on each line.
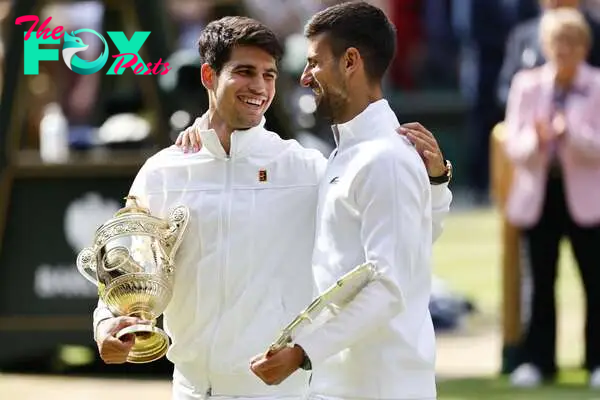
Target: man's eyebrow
244,66
252,67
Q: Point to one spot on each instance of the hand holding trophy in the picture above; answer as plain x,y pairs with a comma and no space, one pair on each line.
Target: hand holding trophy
335,297
282,357
132,263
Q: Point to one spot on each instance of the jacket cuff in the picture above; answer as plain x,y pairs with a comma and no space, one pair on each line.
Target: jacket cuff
313,347
438,191
100,314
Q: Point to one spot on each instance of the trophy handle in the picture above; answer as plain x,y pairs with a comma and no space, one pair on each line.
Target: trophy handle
178,220
286,336
346,287
86,264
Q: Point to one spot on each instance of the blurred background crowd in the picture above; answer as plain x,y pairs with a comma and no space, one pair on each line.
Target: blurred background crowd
85,135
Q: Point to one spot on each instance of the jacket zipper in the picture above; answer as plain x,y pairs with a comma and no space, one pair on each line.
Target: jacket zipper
224,219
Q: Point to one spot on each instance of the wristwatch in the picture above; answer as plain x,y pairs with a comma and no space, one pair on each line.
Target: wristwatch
306,364
446,177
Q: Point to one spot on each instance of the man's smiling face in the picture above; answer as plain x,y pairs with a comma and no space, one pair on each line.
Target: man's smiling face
324,76
245,87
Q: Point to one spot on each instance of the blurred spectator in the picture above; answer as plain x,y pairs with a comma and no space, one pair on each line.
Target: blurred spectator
189,17
441,45
523,49
592,8
77,94
285,17
406,16
481,28
1,62
553,138
4,11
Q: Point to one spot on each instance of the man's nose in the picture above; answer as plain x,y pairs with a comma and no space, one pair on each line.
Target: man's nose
258,86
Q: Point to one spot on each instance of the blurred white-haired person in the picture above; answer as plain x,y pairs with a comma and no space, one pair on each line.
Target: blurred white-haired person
553,139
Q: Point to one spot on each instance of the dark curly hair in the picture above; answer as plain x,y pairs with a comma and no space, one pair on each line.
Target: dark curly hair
222,35
359,25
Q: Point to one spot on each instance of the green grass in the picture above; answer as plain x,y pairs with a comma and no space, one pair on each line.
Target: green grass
570,386
467,257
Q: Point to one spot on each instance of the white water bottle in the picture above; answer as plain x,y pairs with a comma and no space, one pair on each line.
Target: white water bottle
54,135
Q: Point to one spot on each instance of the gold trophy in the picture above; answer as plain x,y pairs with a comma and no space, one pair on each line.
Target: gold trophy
327,303
131,262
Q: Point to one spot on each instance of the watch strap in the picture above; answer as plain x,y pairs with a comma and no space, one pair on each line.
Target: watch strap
438,180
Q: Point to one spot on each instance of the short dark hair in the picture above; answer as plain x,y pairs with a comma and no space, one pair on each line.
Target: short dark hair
359,25
222,35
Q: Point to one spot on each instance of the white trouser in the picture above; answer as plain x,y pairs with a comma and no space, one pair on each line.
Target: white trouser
186,395
183,391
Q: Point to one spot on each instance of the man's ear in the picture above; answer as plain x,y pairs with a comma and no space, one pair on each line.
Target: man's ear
208,76
351,60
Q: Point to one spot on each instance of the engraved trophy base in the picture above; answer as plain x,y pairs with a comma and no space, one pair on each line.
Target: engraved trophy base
151,343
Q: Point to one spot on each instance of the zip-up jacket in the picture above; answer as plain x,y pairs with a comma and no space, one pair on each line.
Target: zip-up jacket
243,270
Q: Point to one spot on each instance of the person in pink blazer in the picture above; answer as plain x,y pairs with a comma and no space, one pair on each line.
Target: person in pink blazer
553,139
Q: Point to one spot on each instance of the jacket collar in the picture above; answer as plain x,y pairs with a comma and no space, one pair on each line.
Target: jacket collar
364,125
242,141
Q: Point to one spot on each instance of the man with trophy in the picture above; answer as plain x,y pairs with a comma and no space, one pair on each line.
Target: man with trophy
237,234
369,335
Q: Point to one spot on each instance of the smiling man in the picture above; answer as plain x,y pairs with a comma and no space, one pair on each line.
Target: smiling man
381,344
243,269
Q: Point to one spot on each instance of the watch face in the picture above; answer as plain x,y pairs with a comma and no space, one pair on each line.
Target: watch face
449,167
438,180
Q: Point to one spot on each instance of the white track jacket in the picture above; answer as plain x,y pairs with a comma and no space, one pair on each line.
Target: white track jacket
375,205
243,269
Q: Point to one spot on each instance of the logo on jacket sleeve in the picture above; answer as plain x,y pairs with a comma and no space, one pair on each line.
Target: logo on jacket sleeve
262,175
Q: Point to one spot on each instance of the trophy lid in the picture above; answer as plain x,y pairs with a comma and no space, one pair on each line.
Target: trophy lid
132,207
132,219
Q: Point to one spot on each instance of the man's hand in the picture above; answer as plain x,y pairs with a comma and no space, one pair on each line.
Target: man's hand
274,368
111,349
189,139
427,147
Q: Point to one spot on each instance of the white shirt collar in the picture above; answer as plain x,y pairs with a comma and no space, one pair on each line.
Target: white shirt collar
363,125
241,140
